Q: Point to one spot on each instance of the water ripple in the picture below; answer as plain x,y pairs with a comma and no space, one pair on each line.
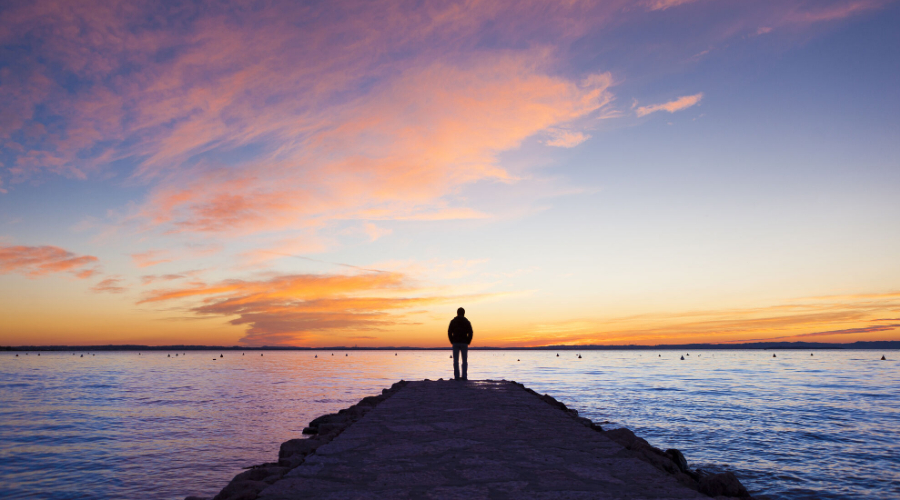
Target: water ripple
118,425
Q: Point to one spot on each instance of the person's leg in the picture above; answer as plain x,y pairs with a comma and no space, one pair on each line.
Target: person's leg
456,361
465,355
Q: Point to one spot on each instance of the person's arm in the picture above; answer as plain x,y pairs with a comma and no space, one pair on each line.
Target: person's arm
450,332
469,333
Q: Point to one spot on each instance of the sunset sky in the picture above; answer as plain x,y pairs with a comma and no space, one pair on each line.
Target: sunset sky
350,172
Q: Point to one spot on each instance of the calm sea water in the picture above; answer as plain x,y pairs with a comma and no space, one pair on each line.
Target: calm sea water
123,425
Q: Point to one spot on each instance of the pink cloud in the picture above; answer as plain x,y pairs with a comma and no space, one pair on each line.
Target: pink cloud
665,4
40,261
566,138
671,106
422,125
832,11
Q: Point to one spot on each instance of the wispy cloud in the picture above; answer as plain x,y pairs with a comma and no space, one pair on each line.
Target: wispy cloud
150,258
394,116
109,285
566,138
297,309
835,317
374,232
665,4
679,104
831,11
42,260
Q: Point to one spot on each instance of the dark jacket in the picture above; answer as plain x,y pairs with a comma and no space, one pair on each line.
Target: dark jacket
460,330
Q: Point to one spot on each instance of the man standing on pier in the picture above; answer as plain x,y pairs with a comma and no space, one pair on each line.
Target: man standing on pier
460,334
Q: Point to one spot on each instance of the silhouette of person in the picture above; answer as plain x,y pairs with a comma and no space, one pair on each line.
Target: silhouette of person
460,334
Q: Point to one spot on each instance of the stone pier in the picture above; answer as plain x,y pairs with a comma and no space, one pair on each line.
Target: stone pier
471,440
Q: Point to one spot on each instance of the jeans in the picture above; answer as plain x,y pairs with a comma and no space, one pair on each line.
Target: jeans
457,348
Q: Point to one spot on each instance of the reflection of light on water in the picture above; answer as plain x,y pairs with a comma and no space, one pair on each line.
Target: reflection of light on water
160,427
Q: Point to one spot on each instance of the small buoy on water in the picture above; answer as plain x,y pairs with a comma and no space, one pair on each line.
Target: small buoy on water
242,354
260,354
39,354
332,354
317,355
82,355
395,354
345,355
810,354
682,358
176,354
518,360
557,355
774,356
214,359
221,355
168,355
883,358
17,355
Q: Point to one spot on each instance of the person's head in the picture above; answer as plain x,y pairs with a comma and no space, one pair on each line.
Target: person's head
460,312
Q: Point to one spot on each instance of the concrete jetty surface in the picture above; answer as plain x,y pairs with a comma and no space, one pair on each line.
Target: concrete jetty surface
468,440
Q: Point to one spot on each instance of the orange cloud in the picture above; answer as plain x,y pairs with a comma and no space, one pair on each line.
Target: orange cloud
302,308
671,106
39,261
836,316
110,285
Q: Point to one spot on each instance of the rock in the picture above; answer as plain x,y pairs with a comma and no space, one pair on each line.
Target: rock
297,446
332,428
355,412
655,457
310,430
241,490
371,400
622,436
293,461
687,480
678,458
584,421
265,474
550,400
329,419
725,484
192,497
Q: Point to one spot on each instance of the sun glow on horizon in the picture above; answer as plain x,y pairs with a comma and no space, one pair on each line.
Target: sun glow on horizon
348,173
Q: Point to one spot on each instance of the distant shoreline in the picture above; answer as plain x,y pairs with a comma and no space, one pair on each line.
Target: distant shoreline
881,344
